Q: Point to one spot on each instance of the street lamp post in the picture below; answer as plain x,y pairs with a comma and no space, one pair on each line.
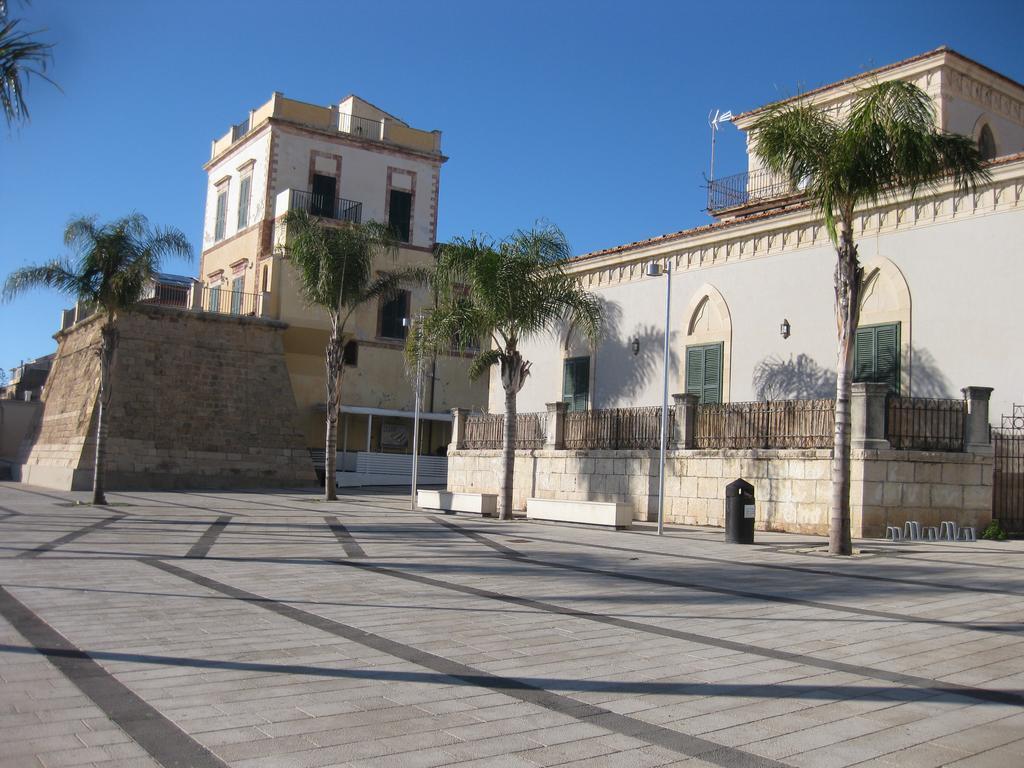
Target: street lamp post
416,412
655,270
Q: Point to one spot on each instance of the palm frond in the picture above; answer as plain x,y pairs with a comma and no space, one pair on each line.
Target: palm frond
483,363
887,144
21,58
57,274
116,262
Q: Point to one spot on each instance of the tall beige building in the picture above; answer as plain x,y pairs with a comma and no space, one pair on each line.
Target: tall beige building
346,162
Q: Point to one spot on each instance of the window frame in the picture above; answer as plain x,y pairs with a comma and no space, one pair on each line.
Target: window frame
572,400
244,200
701,390
220,216
406,297
895,379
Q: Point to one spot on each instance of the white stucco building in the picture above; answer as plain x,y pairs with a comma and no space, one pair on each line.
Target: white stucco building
943,272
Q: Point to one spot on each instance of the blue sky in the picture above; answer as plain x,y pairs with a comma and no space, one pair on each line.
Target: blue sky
591,115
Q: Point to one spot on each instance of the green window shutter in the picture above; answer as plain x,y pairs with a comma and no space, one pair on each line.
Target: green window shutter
704,372
243,202
876,355
695,371
576,383
220,225
712,389
887,356
864,355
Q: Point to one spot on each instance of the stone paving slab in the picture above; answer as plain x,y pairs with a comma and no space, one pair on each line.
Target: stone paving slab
275,629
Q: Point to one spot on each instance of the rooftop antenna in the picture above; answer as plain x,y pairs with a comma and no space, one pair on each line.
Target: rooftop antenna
714,121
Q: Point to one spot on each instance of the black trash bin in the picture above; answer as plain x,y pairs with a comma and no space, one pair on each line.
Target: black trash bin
739,512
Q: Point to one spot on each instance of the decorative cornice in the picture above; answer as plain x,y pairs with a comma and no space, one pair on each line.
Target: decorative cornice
800,228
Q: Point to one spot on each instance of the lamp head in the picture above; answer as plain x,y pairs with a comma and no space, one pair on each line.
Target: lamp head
653,269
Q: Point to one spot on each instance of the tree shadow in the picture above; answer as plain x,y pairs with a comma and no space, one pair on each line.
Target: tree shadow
801,377
629,358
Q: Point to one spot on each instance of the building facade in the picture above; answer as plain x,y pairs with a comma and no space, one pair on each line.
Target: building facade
346,162
751,294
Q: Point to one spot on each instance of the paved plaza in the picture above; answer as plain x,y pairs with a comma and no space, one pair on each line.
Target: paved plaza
266,630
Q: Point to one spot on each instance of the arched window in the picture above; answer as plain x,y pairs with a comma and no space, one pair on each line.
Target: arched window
986,143
708,346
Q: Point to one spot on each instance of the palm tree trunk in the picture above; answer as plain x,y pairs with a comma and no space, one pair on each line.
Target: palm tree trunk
847,286
334,360
508,456
108,343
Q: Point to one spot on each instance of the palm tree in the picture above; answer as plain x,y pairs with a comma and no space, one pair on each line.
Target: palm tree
336,268
502,294
20,58
115,267
887,145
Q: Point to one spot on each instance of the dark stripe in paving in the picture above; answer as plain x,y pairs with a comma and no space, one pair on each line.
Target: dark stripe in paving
471,534
168,744
793,568
209,537
1002,629
51,545
341,533
936,686
684,744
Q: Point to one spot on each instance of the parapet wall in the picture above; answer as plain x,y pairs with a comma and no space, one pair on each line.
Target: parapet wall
198,401
792,486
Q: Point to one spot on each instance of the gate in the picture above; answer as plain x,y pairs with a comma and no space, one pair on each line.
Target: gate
1008,474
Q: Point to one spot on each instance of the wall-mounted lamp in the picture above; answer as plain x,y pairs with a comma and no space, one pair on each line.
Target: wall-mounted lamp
784,329
635,346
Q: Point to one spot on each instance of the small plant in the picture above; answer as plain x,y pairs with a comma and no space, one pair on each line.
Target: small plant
994,532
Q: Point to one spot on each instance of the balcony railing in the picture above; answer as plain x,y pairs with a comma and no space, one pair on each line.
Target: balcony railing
747,189
239,130
361,126
325,206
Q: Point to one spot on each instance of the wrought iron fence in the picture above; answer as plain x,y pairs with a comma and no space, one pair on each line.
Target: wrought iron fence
615,428
768,424
169,295
925,423
361,126
225,302
1008,473
485,431
325,206
745,188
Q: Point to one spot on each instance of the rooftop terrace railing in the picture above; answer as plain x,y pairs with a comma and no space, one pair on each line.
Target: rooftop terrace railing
361,126
746,189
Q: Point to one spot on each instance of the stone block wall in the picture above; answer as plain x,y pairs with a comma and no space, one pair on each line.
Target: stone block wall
792,487
891,487
199,401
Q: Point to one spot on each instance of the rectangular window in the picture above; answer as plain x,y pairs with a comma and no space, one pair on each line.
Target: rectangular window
876,355
214,298
400,214
321,202
391,315
704,372
576,383
244,190
221,222
237,291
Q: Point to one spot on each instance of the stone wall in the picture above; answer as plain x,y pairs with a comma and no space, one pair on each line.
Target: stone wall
16,418
792,487
199,401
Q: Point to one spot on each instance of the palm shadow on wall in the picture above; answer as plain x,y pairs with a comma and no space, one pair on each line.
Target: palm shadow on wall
802,378
623,373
